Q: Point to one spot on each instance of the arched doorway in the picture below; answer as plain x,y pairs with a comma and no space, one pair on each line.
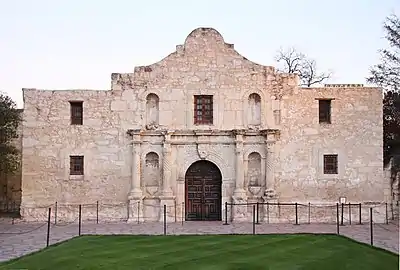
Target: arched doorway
203,182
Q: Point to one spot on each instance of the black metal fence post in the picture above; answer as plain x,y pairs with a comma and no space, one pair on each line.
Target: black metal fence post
254,219
257,214
297,218
341,222
80,220
48,228
165,219
226,213
267,212
175,211
349,213
371,226
183,212
392,210
309,213
359,213
55,214
138,211
387,217
337,218
97,212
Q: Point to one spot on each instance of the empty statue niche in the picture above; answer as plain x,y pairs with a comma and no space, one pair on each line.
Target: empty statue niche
254,110
254,169
152,111
152,173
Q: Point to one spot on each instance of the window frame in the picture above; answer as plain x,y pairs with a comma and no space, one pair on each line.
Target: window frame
76,107
331,164
76,160
201,102
325,111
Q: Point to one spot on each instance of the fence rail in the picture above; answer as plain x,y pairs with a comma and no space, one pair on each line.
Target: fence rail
52,222
265,212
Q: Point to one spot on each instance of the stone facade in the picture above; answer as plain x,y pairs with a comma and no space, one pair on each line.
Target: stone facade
139,139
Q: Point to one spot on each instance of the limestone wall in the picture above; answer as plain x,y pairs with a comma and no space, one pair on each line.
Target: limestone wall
205,64
355,134
49,139
160,97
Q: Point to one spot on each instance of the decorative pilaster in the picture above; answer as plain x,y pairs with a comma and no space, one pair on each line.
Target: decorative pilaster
167,197
270,166
239,194
135,195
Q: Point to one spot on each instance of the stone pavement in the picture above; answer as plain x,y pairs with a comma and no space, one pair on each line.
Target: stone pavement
23,238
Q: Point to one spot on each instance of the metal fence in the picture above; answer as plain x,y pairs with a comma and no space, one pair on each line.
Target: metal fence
97,219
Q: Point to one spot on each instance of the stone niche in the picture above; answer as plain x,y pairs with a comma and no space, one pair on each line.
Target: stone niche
152,173
254,110
152,111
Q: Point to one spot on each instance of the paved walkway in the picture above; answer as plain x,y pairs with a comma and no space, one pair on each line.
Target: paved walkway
23,238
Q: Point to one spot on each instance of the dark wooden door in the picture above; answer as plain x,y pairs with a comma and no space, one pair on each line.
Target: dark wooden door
203,191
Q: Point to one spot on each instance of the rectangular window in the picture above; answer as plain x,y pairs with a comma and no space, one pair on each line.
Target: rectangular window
76,165
203,110
76,112
325,111
330,164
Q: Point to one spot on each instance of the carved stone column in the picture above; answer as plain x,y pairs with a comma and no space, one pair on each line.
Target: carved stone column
270,167
239,195
239,183
167,197
135,195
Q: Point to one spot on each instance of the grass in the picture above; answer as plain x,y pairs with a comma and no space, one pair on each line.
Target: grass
299,251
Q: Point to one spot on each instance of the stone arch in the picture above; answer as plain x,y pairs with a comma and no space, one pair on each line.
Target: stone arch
223,166
259,148
254,109
254,169
203,191
152,169
152,110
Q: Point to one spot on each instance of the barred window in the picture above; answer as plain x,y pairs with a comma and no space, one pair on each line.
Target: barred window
330,164
203,109
76,112
76,165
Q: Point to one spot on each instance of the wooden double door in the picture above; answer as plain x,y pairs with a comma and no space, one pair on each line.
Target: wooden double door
203,182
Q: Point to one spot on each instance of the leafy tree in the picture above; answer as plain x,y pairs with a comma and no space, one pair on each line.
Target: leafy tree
10,118
296,62
387,75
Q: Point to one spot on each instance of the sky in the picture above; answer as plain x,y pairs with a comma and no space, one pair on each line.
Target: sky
77,44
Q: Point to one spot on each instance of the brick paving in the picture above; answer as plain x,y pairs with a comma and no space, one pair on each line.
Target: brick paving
23,238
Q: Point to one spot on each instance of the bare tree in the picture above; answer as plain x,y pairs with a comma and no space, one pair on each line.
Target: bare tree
296,62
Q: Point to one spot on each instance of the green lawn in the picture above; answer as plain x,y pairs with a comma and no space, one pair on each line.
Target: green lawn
301,251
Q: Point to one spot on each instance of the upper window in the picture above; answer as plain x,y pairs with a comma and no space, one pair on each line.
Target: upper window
203,109
325,111
76,165
330,164
76,112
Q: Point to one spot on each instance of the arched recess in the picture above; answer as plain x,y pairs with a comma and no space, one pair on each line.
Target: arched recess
254,110
152,171
254,169
203,191
152,110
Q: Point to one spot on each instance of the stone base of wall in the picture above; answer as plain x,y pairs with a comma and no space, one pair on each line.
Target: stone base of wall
152,210
70,213
310,213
